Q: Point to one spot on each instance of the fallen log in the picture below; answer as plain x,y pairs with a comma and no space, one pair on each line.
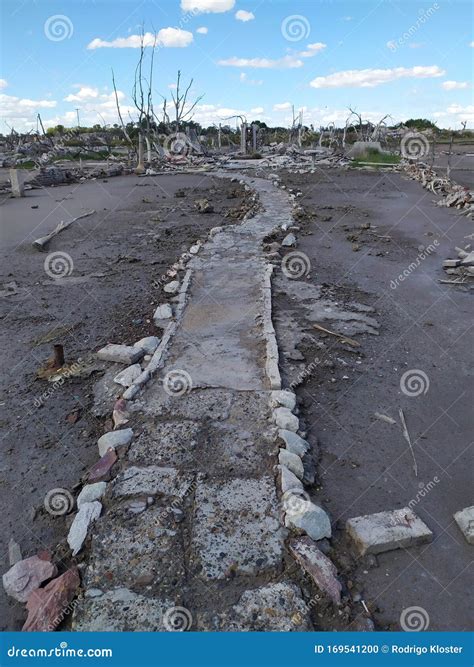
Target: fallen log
41,243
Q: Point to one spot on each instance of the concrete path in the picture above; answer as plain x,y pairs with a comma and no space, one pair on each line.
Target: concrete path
191,535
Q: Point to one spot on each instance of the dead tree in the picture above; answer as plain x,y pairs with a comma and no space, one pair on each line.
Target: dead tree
180,101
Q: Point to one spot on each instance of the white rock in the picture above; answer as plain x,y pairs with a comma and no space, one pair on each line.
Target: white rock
285,398
91,492
289,481
121,354
214,231
172,287
114,439
312,520
128,375
285,419
148,344
88,513
289,241
293,442
194,249
465,520
163,312
292,462
384,531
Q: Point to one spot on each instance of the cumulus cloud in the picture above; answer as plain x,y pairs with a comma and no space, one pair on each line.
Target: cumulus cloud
203,30
166,37
369,78
3,84
282,107
84,93
251,82
288,62
243,15
455,85
312,50
207,6
257,110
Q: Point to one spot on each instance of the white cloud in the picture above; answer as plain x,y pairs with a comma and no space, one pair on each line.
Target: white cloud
251,82
21,113
471,44
312,50
207,6
288,62
203,30
243,15
455,85
282,107
84,93
257,110
166,37
455,114
3,84
369,78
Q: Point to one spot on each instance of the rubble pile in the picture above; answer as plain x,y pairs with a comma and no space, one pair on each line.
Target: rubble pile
453,195
463,265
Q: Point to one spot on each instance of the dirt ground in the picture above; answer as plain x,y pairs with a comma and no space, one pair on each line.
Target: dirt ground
359,231
117,257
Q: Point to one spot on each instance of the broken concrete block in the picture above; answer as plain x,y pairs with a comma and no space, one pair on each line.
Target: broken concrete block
285,419
26,576
14,552
172,287
87,514
318,566
128,375
152,480
310,518
17,183
91,492
284,398
289,481
47,607
384,531
289,241
293,442
101,469
120,354
114,439
148,344
465,520
292,462
451,263
163,312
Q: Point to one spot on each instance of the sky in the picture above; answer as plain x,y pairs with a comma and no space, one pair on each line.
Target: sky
254,58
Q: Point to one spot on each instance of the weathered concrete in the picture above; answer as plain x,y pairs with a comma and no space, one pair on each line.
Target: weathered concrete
465,521
121,354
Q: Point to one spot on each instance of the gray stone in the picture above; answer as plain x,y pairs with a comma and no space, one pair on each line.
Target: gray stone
163,312
293,442
148,344
292,462
17,183
285,398
27,576
172,287
194,249
465,520
310,518
119,610
384,531
128,375
14,552
318,566
285,419
120,354
87,514
152,480
114,439
236,528
91,492
289,241
289,481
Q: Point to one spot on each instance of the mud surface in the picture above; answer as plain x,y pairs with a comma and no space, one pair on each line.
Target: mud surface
117,259
360,231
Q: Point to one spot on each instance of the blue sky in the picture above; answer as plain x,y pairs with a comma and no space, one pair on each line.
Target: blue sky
251,57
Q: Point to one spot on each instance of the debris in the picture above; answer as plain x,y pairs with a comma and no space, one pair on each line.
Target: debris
172,287
26,576
88,513
17,183
128,375
101,469
292,462
465,520
406,435
148,344
48,606
308,517
73,416
163,312
293,442
41,243
385,418
120,354
119,414
114,439
91,492
289,241
14,552
318,566
285,398
285,419
344,339
384,531
203,206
